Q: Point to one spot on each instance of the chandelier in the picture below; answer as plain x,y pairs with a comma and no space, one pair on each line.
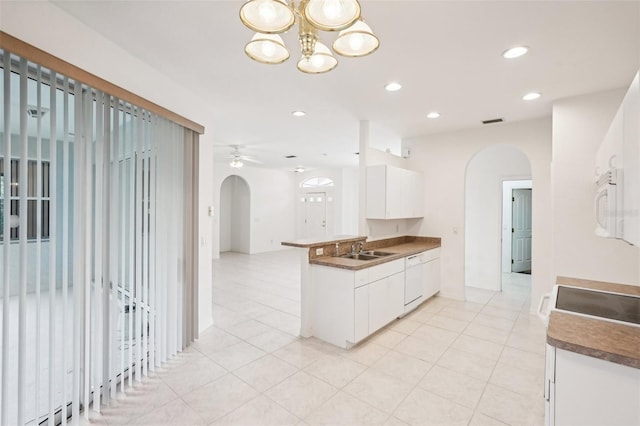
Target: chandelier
272,17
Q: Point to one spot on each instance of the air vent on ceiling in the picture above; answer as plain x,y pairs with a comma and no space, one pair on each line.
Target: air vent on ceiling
495,120
290,156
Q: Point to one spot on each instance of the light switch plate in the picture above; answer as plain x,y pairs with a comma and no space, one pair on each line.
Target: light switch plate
319,251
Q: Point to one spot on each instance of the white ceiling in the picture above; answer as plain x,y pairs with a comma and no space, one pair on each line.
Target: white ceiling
446,54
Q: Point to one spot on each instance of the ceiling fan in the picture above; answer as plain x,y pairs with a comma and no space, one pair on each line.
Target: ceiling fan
237,159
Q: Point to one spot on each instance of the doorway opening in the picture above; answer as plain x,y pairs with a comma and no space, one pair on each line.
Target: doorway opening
235,208
489,220
516,233
316,211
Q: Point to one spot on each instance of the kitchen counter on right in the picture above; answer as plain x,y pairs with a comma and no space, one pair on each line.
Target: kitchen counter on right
611,341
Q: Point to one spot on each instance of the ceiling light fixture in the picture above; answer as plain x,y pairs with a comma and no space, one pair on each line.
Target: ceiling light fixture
515,52
272,17
531,96
433,114
299,169
236,163
299,113
393,87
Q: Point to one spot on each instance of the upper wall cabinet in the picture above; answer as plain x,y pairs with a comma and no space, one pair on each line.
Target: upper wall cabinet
394,193
631,163
617,198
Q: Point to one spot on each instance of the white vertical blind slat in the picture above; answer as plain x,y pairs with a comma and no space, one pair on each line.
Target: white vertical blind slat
64,256
78,252
22,237
139,236
52,183
97,279
131,235
38,242
115,247
6,233
88,243
106,252
145,241
152,244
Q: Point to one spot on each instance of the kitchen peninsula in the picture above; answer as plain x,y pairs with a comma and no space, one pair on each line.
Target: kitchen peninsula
351,287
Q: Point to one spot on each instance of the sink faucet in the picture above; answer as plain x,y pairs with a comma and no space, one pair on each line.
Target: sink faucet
359,245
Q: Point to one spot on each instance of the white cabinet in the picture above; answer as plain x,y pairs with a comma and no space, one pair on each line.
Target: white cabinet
394,193
620,151
386,301
631,163
583,390
431,271
348,306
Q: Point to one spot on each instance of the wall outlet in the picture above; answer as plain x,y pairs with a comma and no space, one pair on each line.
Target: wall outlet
319,251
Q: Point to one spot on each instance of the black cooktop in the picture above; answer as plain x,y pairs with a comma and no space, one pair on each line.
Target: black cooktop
600,304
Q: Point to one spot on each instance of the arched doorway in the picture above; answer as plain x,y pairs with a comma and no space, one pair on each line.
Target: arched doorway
235,208
492,181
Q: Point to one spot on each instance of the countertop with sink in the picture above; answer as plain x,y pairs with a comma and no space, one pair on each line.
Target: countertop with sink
371,253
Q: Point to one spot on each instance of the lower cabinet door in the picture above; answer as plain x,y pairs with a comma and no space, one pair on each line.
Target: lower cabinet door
361,313
386,301
431,280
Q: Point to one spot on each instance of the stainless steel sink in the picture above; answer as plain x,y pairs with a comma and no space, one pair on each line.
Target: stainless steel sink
359,256
376,253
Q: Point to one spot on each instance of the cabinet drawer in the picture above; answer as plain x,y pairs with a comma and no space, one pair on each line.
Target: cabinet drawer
386,269
361,278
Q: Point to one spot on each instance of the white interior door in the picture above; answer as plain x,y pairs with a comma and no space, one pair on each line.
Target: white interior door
521,231
315,215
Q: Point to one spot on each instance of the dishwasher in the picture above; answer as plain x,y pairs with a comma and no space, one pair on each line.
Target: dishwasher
413,280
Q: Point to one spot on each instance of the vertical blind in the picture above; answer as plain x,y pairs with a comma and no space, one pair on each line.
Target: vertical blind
98,243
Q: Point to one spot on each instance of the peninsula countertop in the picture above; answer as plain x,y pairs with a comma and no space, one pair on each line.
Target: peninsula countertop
607,340
399,247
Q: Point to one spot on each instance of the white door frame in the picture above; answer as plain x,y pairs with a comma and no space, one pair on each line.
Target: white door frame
508,185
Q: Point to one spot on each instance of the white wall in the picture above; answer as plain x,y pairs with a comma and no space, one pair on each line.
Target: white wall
443,160
483,211
350,196
78,44
579,124
273,210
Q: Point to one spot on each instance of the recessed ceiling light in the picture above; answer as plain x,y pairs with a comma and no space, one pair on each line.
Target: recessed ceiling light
531,96
393,87
299,113
299,169
515,52
433,114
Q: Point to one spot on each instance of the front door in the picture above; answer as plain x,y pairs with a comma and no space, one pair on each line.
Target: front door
521,231
315,214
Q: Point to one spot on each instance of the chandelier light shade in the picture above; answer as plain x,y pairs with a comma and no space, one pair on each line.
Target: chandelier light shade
267,49
332,15
267,16
272,17
357,40
319,62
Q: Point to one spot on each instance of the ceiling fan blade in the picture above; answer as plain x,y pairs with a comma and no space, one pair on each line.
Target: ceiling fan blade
251,160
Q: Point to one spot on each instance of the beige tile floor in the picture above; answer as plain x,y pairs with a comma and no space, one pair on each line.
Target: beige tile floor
477,362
